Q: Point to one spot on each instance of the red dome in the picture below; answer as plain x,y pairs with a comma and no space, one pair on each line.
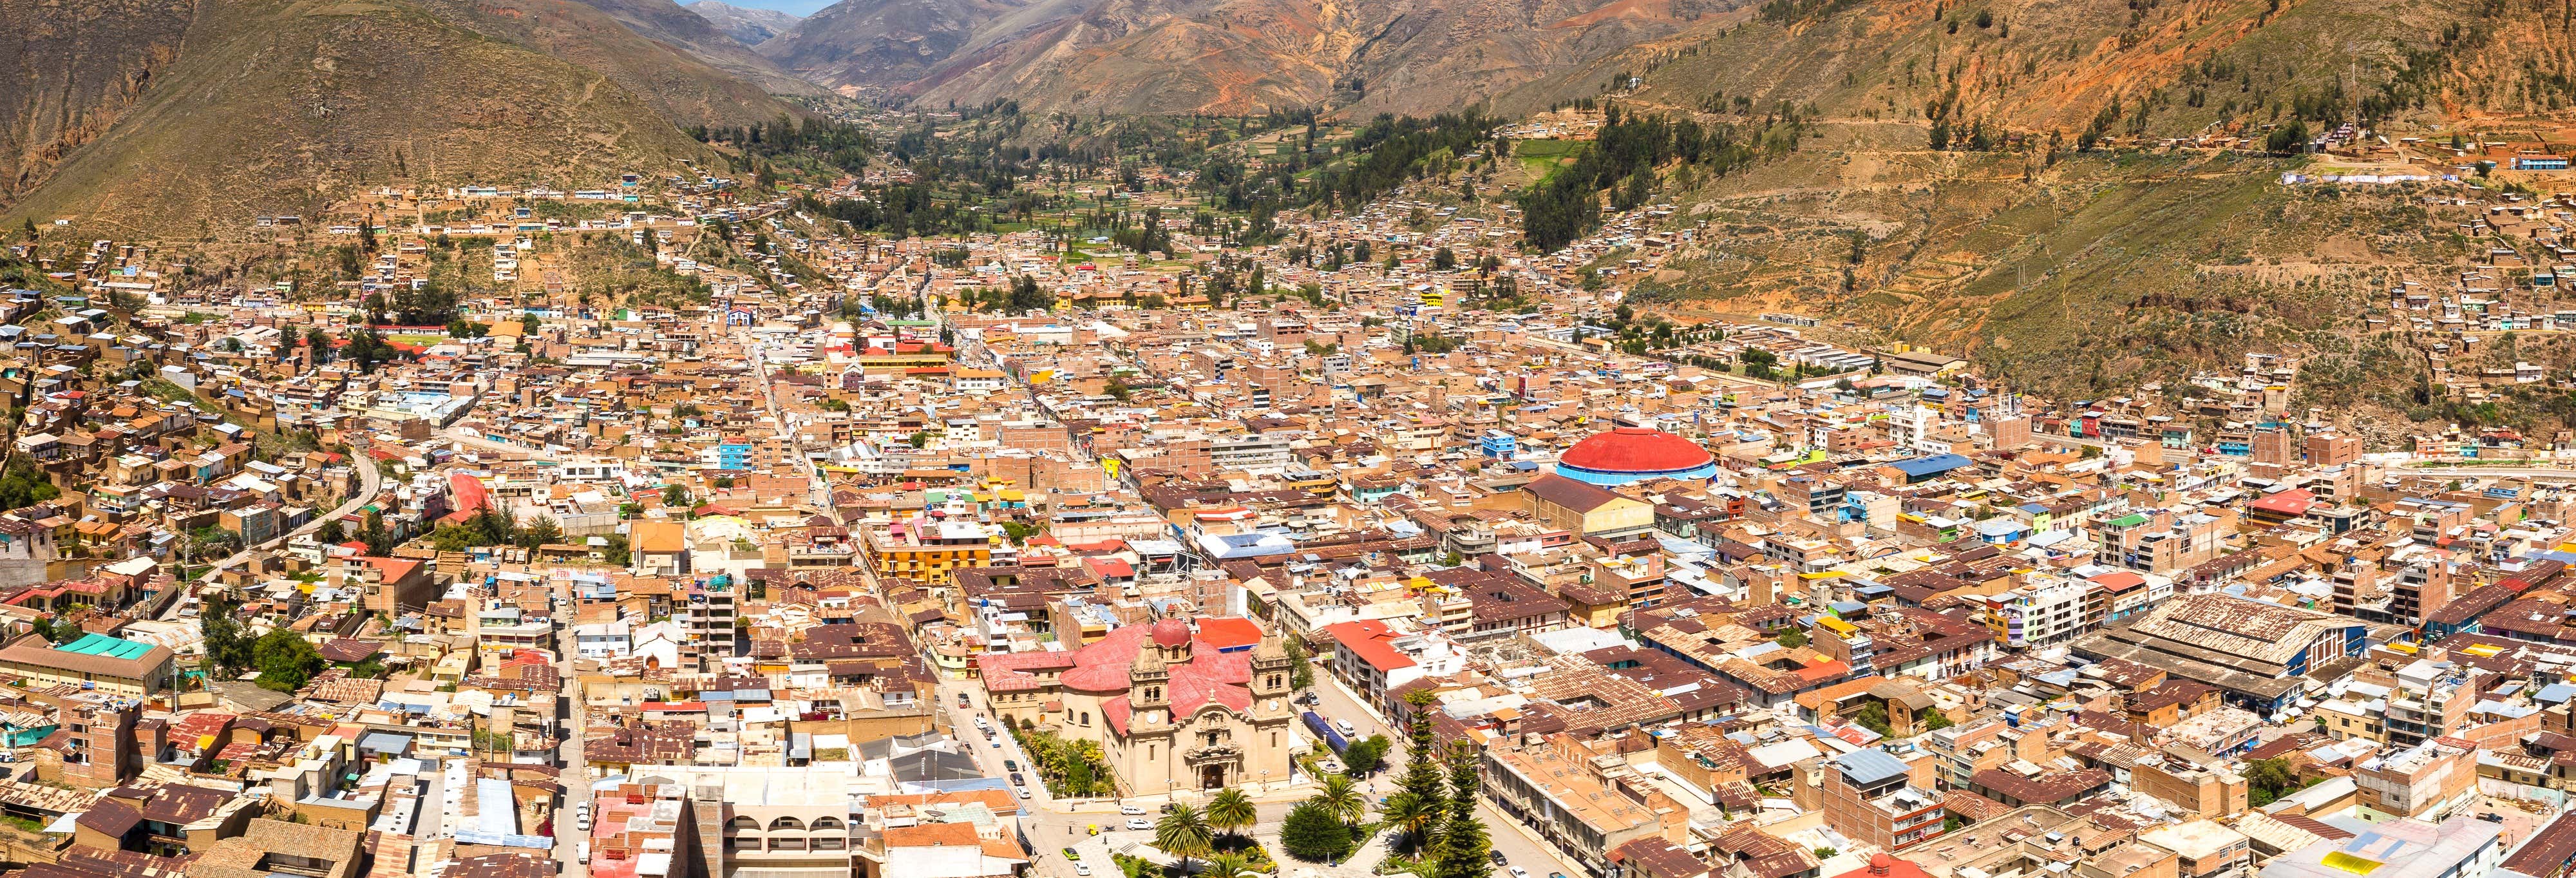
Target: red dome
1636,450
1172,632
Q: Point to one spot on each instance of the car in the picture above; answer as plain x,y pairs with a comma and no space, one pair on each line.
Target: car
1072,856
1138,823
582,823
1017,780
1024,792
963,702
1131,810
997,743
1010,765
583,851
1518,872
1082,868
1497,857
1095,829
1348,730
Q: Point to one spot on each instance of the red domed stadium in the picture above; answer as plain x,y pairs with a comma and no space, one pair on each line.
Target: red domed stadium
1635,454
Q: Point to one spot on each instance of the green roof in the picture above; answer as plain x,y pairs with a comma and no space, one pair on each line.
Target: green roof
101,644
2130,520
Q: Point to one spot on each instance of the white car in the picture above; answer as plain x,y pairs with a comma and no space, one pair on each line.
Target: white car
1138,823
1131,810
1518,872
1082,868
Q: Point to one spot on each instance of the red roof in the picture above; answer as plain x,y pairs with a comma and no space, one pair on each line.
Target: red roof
1229,632
1636,449
1884,866
1372,642
2293,502
2119,582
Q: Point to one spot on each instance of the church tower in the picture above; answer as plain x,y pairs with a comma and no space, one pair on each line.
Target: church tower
1273,671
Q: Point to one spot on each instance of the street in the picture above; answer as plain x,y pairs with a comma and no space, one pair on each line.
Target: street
1518,845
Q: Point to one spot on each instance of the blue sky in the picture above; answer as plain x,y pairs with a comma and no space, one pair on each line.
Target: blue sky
799,7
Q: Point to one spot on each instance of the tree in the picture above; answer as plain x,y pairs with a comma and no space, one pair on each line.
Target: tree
2292,137
1304,674
285,659
1184,833
541,532
331,532
1313,834
1464,845
1341,796
677,496
1792,638
1413,816
1228,865
22,486
379,539
1366,755
1231,810
225,647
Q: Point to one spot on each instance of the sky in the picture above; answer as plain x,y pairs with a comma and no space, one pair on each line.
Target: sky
796,7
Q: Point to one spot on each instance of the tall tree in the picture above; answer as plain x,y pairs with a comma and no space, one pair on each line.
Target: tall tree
1341,795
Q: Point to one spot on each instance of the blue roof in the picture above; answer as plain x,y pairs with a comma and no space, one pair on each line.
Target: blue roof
2555,692
1864,768
1930,466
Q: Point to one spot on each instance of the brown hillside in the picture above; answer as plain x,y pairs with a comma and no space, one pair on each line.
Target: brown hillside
277,106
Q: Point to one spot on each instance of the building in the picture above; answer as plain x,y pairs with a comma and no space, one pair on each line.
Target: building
1375,659
2048,611
1586,509
95,661
1633,454
1586,803
2461,847
1170,710
2205,848
2256,653
927,550
1871,797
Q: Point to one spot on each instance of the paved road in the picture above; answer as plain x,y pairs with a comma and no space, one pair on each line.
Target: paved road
575,776
818,491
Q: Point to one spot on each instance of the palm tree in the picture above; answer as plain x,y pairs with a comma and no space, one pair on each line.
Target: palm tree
1183,833
1231,810
1414,816
1341,795
1228,865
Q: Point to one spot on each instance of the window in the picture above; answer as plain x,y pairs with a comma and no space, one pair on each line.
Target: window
742,824
785,824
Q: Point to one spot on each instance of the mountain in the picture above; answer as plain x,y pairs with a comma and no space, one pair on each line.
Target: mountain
750,27
212,112
1224,56
666,23
882,45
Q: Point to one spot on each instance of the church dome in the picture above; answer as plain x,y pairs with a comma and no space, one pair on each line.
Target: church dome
1629,454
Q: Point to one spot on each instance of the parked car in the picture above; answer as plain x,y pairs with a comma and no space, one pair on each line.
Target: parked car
963,701
1131,810
1082,868
1010,765
1024,792
1071,856
1138,823
1348,730
1017,780
1518,872
1497,857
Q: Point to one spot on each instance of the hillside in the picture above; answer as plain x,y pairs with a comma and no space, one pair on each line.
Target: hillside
744,25
1219,56
682,88
278,106
74,65
2069,270
665,23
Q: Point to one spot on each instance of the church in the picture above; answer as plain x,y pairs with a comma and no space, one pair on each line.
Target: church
1170,710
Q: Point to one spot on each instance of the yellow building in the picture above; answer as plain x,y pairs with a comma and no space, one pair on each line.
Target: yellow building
927,550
